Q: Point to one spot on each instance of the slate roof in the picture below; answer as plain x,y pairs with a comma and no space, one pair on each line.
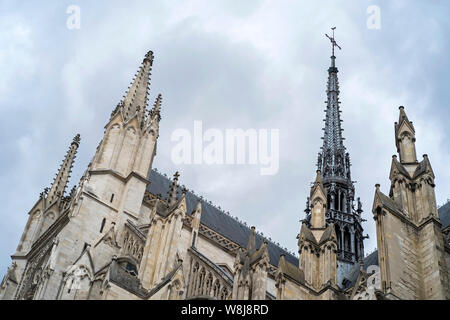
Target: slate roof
352,276
127,281
444,215
218,220
421,168
401,168
293,271
388,202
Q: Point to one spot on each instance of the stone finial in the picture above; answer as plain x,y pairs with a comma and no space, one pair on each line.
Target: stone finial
318,177
251,246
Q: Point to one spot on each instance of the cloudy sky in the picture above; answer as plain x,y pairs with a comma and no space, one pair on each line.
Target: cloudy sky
230,64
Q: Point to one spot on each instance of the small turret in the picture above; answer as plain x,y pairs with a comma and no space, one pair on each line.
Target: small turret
405,138
318,198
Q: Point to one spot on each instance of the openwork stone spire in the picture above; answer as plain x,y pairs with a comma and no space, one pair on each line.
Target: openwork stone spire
135,100
334,167
333,159
62,177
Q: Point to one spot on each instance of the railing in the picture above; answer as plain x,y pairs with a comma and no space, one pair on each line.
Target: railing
339,215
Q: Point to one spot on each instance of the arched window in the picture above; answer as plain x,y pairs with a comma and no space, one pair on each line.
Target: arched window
224,293
341,202
328,201
195,278
347,241
336,202
208,286
338,235
201,281
216,289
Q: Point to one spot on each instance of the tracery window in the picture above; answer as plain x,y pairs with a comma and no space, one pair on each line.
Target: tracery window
216,289
224,294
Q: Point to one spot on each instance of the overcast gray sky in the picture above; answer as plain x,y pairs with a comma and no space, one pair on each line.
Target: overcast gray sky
230,64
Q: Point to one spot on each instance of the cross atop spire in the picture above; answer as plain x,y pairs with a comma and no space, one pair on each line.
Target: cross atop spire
333,42
333,57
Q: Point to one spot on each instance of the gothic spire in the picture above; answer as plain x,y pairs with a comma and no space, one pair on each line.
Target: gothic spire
333,160
135,100
62,177
333,178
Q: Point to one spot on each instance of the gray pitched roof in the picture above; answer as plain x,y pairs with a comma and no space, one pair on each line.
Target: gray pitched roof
352,276
217,220
388,202
444,215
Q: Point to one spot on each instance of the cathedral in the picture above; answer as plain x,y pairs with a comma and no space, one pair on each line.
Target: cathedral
126,231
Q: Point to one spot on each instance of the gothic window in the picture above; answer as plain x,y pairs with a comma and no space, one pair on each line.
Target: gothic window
356,248
338,234
194,277
224,293
216,289
201,280
102,225
347,241
341,202
328,201
336,204
209,281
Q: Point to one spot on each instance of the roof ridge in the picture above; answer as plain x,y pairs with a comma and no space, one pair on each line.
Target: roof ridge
227,213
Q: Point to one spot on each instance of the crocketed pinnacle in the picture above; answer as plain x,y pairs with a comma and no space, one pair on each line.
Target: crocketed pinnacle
62,177
135,99
333,161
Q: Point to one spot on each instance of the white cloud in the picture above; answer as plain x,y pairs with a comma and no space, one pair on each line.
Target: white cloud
231,65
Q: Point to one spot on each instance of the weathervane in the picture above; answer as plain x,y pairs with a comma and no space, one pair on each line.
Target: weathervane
333,42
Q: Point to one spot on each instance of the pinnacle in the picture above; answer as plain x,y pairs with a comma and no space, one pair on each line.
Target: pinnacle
135,98
76,139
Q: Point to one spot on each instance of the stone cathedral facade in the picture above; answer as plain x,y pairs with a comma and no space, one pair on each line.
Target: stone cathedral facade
125,231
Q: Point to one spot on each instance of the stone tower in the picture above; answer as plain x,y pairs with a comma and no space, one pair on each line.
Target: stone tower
411,248
64,232
334,165
250,271
317,243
